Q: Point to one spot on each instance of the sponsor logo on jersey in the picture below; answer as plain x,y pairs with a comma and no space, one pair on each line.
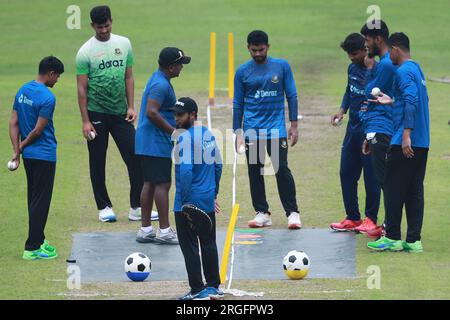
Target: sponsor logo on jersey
110,63
25,100
357,91
263,94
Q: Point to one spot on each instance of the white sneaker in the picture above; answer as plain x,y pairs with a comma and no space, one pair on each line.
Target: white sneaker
261,220
169,237
135,214
294,221
107,215
145,237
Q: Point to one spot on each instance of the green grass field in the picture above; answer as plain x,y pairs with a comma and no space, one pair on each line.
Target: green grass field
307,33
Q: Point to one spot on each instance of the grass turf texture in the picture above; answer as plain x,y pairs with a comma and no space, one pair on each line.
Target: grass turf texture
308,35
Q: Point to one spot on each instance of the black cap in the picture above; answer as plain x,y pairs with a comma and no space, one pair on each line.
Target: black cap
171,55
185,104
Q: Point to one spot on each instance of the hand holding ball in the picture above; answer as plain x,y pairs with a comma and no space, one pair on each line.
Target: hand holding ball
241,149
12,165
375,92
91,136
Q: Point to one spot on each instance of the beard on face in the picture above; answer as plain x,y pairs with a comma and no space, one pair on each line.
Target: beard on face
260,58
184,125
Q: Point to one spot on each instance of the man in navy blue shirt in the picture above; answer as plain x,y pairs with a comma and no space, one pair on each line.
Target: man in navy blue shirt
33,135
408,156
261,85
376,118
198,170
352,159
154,145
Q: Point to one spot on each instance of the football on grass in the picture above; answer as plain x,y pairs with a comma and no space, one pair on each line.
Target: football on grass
296,264
137,266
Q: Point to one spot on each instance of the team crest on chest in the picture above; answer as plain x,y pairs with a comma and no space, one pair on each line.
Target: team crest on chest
117,51
275,79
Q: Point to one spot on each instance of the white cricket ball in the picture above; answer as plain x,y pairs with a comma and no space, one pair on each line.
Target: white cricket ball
12,165
375,92
337,121
241,149
91,136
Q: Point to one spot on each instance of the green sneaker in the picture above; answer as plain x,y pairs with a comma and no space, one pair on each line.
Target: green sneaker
38,254
414,247
384,244
47,249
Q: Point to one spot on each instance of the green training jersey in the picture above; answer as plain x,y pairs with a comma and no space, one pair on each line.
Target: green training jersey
105,63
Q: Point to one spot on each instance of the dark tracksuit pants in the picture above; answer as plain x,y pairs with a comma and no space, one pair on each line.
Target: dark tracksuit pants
123,134
255,153
404,187
189,238
379,148
40,179
353,161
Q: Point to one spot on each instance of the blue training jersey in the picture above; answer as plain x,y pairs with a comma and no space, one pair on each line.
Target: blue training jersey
34,100
355,95
378,118
150,140
411,105
198,168
259,93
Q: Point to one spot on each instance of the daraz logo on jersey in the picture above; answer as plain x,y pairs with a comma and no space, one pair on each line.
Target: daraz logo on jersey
263,93
111,63
24,99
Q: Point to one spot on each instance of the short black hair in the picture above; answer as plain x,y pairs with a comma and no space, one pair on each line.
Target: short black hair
382,31
100,14
257,37
399,39
353,42
51,63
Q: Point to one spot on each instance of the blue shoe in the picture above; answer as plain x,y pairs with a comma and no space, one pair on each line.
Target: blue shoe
215,293
202,295
107,215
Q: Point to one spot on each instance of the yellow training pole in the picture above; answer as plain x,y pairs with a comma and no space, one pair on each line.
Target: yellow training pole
230,66
212,67
227,246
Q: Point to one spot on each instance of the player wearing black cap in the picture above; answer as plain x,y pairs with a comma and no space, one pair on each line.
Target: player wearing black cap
198,168
154,145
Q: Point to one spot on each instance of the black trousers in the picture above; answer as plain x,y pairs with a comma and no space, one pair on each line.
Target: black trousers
123,134
353,161
404,187
189,239
40,178
379,148
255,152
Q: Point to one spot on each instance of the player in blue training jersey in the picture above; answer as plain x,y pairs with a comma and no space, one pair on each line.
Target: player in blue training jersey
154,145
407,162
261,85
377,119
33,135
198,170
353,161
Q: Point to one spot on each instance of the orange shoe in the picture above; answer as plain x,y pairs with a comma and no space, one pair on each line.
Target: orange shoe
346,225
376,233
367,226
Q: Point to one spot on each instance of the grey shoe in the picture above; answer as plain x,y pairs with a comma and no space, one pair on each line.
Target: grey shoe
166,238
144,237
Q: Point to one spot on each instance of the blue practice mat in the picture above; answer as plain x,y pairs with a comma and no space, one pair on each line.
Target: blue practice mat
258,254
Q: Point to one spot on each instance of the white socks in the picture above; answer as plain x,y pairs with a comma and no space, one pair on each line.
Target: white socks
147,229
